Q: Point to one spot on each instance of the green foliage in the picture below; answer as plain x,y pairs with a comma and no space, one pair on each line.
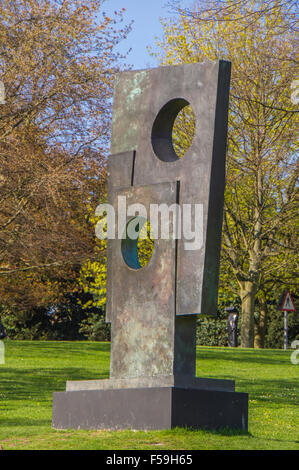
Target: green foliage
92,279
211,331
183,131
66,320
274,335
94,327
93,273
145,244
27,325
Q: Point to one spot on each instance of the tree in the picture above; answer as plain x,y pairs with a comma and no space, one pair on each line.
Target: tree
57,63
260,201
233,11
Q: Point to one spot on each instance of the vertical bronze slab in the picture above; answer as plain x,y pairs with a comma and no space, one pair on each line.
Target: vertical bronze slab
139,97
120,170
142,316
152,309
120,174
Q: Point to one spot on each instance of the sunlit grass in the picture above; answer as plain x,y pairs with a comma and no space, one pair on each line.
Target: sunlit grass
34,370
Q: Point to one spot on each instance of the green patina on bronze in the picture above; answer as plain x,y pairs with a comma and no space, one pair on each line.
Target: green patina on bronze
153,310
129,88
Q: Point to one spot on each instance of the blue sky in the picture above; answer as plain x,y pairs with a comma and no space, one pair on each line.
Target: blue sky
146,26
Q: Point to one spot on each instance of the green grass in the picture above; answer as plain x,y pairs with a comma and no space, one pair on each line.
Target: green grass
34,370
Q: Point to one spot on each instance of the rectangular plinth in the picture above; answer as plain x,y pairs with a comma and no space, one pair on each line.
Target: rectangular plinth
156,382
149,408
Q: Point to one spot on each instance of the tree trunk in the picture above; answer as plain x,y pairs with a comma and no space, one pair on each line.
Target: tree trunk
257,334
248,292
260,328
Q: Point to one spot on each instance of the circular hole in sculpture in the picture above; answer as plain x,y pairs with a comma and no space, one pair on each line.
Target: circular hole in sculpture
138,244
173,130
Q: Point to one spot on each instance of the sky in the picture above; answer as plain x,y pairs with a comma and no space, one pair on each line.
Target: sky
146,26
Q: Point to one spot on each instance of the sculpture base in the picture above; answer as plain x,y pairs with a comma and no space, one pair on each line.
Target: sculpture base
149,408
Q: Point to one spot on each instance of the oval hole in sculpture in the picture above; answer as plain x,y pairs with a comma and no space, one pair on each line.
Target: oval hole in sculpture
138,245
173,130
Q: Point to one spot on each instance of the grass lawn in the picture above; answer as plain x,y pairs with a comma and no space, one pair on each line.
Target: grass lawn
33,370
